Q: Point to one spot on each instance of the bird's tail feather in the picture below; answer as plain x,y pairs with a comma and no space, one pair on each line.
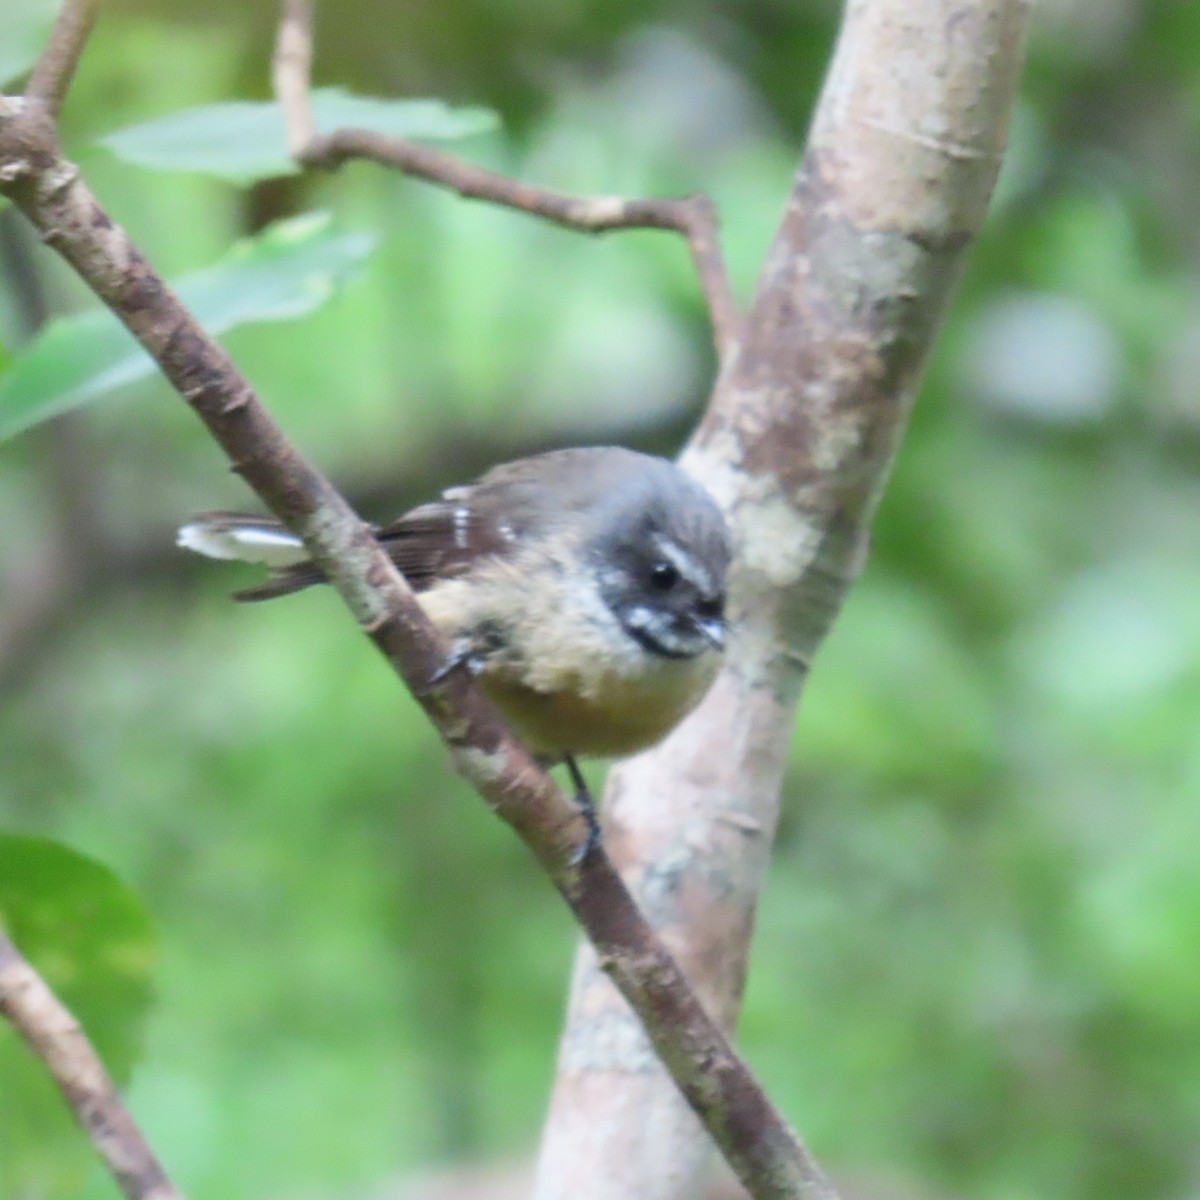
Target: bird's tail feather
283,581
241,538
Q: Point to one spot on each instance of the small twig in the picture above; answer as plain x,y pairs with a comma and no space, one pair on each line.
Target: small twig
54,1035
291,73
693,217
52,75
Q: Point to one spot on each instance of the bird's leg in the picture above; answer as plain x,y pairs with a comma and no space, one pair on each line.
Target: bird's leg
467,653
587,806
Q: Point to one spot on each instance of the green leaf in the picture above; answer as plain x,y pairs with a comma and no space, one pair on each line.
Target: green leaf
245,141
286,272
89,936
24,25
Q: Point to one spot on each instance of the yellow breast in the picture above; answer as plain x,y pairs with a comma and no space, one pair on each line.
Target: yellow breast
614,716
566,676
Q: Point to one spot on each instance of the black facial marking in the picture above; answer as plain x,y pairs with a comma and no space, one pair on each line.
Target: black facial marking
661,554
656,646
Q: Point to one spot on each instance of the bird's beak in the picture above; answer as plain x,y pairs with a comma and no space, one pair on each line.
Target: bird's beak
712,630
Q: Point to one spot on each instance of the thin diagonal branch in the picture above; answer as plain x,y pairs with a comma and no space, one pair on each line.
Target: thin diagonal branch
764,1152
51,76
53,1034
694,217
291,73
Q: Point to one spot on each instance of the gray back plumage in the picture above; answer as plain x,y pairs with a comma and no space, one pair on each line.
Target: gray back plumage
612,498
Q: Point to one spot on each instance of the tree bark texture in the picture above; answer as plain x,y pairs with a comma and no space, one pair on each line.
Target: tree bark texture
903,154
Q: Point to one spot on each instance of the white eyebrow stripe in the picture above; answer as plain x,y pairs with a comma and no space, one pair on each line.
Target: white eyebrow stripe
687,566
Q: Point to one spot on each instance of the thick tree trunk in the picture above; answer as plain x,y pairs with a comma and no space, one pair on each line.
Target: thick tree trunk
806,417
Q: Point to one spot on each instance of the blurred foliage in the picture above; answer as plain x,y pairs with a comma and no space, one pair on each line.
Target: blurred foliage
244,141
284,273
24,25
975,961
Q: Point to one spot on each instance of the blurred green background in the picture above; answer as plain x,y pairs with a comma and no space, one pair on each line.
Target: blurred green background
977,965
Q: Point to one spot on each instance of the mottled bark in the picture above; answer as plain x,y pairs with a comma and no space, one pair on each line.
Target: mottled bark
902,158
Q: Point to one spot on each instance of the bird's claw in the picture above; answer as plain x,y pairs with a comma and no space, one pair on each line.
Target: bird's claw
587,808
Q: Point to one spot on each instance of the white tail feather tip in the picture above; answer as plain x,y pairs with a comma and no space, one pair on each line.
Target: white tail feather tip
271,547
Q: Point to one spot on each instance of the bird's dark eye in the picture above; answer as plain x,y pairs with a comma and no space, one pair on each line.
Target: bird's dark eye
664,576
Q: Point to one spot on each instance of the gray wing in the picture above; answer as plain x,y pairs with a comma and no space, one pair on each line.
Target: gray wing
513,502
444,538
